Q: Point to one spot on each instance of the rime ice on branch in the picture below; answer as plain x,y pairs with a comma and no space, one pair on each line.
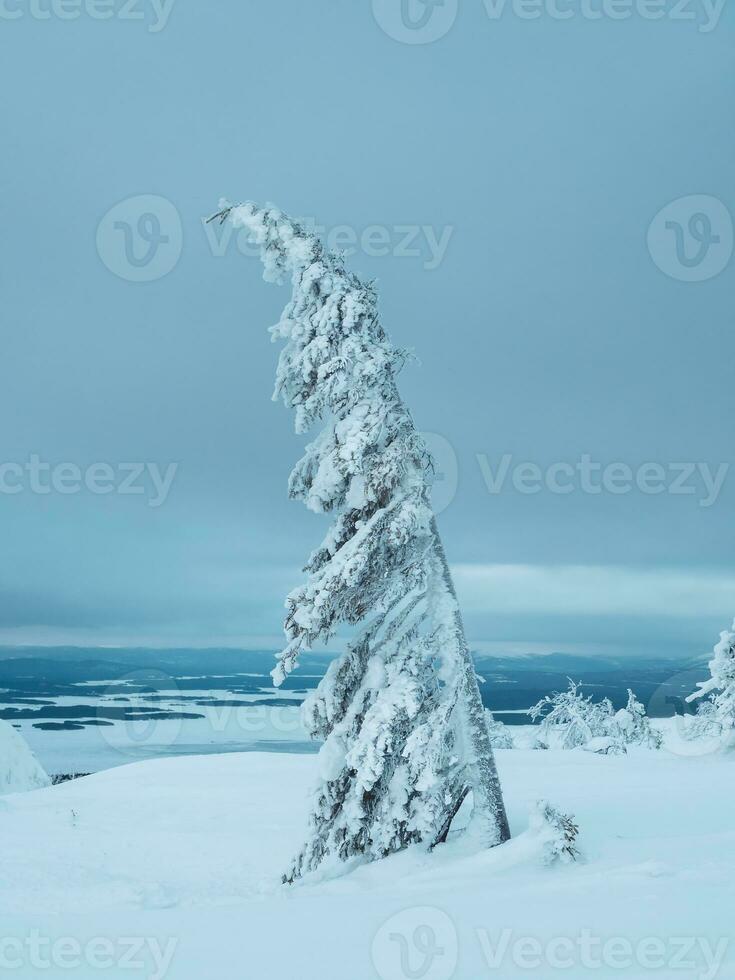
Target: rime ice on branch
718,708
574,720
400,714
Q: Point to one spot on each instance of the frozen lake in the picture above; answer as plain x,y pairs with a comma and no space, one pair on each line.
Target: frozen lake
83,710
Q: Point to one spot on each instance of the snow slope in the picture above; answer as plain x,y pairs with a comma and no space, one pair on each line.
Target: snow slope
19,768
181,856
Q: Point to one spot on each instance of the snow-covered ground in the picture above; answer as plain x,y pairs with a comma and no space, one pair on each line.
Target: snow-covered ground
19,769
174,864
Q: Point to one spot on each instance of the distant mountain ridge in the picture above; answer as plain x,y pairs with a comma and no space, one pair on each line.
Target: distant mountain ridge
511,683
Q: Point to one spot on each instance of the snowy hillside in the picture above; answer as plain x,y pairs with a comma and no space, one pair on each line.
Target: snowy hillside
19,768
185,854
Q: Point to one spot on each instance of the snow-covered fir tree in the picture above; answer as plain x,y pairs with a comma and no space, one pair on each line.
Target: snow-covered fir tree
635,726
557,831
400,712
717,704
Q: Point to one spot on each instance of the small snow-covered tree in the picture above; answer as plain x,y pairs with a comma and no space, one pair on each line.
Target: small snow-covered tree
500,737
718,708
558,833
635,726
399,713
704,723
572,717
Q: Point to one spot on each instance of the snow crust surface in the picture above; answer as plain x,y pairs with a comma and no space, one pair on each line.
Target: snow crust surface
190,850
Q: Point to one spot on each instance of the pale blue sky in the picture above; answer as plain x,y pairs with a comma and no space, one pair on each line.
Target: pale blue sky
543,150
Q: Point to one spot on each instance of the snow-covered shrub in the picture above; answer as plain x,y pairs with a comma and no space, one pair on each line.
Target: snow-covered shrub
399,713
716,713
19,769
635,726
573,718
705,723
528,739
500,736
577,721
605,745
558,833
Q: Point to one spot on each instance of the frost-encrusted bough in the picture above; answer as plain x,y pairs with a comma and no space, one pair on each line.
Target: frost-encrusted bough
400,713
717,710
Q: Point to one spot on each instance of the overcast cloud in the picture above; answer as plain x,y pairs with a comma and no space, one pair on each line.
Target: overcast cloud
527,159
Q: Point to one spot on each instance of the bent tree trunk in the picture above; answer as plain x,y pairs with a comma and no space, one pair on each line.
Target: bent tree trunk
489,817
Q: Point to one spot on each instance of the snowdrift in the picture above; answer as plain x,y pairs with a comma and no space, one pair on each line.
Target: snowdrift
186,853
19,769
